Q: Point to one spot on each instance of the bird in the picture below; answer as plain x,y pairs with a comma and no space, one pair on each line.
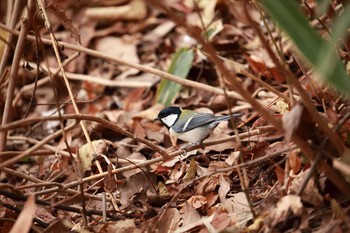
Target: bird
190,126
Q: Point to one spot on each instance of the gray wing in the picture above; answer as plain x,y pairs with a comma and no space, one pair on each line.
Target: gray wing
194,122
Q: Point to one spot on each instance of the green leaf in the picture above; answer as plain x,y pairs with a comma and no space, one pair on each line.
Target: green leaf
180,66
319,52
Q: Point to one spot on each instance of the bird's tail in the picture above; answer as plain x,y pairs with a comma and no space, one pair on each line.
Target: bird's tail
225,118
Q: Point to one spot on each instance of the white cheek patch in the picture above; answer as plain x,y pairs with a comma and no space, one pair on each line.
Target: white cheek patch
170,120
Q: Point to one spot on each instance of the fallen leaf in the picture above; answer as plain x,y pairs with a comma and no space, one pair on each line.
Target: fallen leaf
66,22
135,10
138,182
291,121
197,201
191,171
25,218
286,203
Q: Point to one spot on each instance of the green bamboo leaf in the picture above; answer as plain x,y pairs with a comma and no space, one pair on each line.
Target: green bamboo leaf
180,66
319,52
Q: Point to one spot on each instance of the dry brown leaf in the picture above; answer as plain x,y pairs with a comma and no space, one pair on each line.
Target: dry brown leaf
135,10
169,222
191,171
207,185
178,171
197,201
292,120
123,48
139,182
139,131
211,198
219,132
279,173
224,188
216,165
191,217
134,101
310,194
286,203
294,161
160,31
87,155
135,156
66,22
220,222
150,113
123,226
109,181
25,218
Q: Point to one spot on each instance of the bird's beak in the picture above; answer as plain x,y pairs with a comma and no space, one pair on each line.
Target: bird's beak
156,119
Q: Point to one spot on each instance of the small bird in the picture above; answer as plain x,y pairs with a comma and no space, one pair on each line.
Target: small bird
190,126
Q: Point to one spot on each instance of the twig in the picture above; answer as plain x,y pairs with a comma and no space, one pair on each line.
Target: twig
143,68
36,146
18,210
82,194
79,117
58,58
15,15
21,197
304,146
7,115
266,85
307,102
137,166
40,183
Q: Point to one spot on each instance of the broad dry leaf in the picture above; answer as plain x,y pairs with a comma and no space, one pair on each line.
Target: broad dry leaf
87,155
286,203
207,185
294,161
237,204
139,182
25,218
191,218
66,22
160,31
233,158
191,171
197,201
291,121
225,187
170,221
150,113
123,226
135,10
178,171
121,47
310,194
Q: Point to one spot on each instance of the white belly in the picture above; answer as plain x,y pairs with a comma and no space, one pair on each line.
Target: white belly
194,135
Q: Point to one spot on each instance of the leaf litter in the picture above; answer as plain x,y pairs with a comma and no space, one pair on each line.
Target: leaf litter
140,189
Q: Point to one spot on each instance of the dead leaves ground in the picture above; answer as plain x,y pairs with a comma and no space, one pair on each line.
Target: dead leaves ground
135,179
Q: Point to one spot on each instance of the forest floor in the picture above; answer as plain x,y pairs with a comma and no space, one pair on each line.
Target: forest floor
80,150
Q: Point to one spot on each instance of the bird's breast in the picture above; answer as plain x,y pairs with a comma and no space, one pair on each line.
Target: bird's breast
193,136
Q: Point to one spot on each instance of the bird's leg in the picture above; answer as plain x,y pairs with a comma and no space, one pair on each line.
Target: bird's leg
202,145
185,147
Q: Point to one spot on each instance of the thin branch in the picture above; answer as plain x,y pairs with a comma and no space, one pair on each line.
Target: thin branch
143,68
13,73
35,147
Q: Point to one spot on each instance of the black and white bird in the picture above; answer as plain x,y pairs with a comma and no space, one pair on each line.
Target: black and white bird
190,126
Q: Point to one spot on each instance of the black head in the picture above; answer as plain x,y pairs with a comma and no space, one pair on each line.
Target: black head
168,116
